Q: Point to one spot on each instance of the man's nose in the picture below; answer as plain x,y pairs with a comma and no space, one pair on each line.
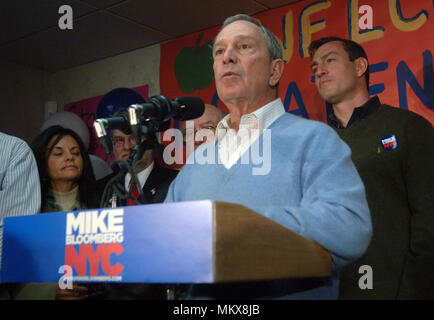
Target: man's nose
320,71
129,143
230,55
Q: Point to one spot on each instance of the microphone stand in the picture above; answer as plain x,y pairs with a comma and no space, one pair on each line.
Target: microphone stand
116,185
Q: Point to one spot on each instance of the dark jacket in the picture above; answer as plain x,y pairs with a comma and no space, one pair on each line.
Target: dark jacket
155,188
398,178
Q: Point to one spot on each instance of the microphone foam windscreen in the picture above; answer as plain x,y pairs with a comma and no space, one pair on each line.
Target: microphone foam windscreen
194,108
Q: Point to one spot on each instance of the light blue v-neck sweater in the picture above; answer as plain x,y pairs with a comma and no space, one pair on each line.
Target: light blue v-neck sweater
312,188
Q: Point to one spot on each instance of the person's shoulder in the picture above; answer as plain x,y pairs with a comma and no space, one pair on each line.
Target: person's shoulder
403,115
6,139
101,183
306,134
165,171
13,146
290,122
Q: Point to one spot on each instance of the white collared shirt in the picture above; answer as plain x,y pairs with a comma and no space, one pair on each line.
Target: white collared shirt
142,175
233,144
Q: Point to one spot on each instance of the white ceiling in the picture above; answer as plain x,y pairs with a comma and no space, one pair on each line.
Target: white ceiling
30,34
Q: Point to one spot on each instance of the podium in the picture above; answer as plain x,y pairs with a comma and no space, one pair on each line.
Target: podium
184,242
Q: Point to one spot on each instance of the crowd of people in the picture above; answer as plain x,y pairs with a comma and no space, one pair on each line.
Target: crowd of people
361,187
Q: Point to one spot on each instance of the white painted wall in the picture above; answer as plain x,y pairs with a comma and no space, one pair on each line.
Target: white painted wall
132,69
24,90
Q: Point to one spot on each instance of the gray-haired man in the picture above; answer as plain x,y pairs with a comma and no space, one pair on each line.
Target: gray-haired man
304,191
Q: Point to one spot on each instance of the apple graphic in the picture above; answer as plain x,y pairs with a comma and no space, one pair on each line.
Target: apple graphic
193,67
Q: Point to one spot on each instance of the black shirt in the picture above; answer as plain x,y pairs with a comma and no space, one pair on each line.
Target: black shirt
358,114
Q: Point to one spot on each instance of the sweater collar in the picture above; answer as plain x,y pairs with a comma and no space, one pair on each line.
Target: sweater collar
62,201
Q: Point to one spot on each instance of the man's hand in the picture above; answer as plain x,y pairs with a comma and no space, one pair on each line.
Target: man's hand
78,292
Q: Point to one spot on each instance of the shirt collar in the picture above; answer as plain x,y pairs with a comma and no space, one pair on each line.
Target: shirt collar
260,119
358,115
142,176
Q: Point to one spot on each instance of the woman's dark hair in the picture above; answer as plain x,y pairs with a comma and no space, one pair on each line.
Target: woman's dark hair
86,183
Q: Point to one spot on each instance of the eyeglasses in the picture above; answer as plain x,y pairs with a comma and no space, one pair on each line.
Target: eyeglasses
187,132
119,142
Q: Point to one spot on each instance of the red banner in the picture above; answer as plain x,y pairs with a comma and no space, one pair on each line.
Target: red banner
397,36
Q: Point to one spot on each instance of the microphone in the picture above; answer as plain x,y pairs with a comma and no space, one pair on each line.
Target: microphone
161,109
120,122
102,125
188,108
155,114
101,133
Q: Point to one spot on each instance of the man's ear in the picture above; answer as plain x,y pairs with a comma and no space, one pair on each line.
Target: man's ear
277,66
361,66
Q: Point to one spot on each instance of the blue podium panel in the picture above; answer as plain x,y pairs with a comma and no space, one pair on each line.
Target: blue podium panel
157,243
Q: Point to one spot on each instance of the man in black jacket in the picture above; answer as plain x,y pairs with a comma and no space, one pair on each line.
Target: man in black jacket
154,181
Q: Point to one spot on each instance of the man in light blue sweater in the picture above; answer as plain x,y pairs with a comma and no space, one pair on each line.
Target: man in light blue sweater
306,182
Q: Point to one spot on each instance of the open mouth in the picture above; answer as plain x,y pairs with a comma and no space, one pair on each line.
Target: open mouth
229,74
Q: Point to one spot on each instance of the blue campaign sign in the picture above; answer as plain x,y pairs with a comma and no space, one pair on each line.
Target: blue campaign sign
158,243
